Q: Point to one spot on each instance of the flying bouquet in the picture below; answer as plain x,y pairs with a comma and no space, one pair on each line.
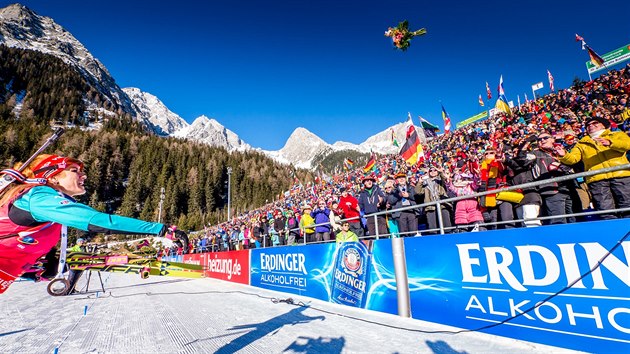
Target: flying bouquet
401,36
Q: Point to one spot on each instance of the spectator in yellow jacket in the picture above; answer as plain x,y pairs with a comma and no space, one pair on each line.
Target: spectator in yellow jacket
79,247
305,224
601,148
345,235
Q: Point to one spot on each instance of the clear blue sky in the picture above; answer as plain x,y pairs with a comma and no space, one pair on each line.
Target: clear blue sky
263,68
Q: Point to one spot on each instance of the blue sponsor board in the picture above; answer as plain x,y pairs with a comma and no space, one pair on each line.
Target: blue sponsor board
381,295
329,272
301,270
350,275
479,280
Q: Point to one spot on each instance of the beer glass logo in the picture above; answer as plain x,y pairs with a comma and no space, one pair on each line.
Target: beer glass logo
352,261
349,283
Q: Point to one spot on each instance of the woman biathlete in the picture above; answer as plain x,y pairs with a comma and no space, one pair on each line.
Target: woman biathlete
33,212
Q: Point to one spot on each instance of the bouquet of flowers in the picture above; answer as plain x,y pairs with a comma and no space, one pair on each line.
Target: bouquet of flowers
401,35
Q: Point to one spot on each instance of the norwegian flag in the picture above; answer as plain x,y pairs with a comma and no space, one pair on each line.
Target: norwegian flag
447,121
550,80
579,38
488,90
500,88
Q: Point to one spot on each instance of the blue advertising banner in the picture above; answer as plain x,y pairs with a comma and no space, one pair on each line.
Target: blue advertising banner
478,280
301,270
329,272
381,295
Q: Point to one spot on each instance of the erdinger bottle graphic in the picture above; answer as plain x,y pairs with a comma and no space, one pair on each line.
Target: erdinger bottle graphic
350,276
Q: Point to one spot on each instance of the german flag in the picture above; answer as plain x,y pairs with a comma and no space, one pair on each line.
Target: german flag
412,151
347,164
595,58
370,164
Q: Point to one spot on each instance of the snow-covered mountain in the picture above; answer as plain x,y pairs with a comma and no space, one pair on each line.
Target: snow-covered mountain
300,149
166,123
211,132
22,28
382,142
303,146
152,111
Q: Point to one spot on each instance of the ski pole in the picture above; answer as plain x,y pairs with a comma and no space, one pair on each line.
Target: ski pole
7,179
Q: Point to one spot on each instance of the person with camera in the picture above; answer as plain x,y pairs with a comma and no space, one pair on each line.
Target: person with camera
556,196
493,175
602,148
521,162
280,222
431,188
403,195
372,200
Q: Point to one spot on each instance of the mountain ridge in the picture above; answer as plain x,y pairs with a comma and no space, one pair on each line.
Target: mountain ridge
22,28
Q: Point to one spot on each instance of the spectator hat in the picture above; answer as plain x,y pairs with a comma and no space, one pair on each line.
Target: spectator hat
307,207
602,120
368,178
80,240
400,175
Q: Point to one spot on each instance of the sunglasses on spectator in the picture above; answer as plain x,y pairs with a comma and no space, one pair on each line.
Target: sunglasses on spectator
544,138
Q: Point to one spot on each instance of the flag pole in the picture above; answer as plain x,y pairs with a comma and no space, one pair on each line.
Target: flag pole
533,93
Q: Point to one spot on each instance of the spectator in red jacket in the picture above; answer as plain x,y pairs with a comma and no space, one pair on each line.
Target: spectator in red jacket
350,207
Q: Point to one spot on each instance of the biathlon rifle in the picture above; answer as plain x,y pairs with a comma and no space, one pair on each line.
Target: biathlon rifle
7,179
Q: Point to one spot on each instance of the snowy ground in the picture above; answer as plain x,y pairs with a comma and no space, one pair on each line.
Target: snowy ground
171,315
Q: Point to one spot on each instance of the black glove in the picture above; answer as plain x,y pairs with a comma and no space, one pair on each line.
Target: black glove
531,139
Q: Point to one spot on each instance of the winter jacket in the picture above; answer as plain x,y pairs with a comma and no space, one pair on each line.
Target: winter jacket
321,216
596,156
293,224
546,167
397,201
279,224
305,222
522,166
30,225
346,236
431,190
349,206
369,200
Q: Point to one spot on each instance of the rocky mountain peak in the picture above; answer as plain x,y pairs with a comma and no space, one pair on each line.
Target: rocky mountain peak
210,131
302,136
154,113
17,11
22,28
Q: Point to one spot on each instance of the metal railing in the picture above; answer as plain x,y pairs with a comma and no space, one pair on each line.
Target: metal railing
266,238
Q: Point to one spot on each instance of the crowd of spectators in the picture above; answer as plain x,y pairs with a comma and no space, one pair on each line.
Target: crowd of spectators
581,128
